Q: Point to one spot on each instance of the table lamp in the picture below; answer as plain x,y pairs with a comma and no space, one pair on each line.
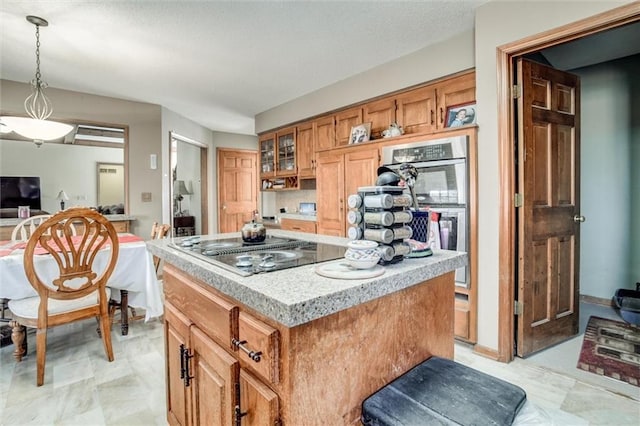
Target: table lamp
179,190
62,196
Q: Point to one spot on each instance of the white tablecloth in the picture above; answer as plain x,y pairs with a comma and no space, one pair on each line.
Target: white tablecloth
134,272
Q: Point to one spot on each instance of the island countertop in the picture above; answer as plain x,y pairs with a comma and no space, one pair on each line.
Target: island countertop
298,295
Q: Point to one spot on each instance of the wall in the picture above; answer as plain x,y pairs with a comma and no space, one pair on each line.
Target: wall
607,98
451,56
71,168
144,138
634,124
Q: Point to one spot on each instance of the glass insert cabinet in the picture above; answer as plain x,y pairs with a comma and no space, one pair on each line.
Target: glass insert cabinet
278,165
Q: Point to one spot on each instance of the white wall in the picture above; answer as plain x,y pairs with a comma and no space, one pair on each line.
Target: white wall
71,168
606,245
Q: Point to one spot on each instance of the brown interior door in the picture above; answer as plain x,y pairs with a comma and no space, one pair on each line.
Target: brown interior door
548,220
237,188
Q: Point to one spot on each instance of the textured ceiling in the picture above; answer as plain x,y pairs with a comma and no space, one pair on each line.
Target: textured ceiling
218,63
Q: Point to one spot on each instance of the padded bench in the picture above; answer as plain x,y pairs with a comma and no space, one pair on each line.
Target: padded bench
443,392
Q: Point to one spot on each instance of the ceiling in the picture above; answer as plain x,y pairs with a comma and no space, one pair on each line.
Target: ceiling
218,63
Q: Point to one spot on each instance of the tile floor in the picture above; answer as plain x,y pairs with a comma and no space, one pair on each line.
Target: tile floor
82,388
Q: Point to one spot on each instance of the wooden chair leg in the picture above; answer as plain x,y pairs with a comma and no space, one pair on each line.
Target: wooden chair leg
19,339
105,325
124,312
41,354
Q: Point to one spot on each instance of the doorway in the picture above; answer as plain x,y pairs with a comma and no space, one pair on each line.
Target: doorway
188,186
508,168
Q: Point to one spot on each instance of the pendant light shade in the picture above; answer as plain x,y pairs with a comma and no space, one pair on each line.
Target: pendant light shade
37,105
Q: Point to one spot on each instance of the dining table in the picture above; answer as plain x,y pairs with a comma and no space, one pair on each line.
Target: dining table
134,275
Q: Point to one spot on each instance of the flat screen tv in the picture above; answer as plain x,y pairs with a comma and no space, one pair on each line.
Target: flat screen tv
18,191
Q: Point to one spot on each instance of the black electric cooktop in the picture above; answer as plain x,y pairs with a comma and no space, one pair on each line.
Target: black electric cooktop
273,254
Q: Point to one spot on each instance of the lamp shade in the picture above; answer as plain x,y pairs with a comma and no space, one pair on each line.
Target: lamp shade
62,196
38,130
179,188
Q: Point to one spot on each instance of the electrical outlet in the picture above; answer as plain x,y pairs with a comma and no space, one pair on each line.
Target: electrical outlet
146,197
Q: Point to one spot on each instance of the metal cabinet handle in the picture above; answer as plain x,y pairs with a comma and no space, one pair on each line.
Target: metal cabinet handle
579,218
185,374
237,412
253,355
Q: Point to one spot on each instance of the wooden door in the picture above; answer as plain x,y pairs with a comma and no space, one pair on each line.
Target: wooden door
549,182
331,214
416,111
215,375
176,334
305,151
345,120
381,114
237,188
324,133
454,92
258,401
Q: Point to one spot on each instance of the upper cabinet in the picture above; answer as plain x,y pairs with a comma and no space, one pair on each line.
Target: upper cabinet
267,143
324,133
417,110
380,114
306,151
345,120
286,152
453,92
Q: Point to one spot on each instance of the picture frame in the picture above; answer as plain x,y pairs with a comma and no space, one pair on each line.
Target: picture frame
360,133
461,115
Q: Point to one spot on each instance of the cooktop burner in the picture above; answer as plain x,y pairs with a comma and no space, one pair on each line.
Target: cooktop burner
245,259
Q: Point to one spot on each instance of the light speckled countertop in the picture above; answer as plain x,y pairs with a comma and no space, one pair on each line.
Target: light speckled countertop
298,295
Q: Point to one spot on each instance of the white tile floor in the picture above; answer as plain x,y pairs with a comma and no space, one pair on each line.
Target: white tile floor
82,388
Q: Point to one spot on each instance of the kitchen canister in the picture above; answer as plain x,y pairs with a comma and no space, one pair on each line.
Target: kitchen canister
381,235
378,201
354,201
354,217
383,218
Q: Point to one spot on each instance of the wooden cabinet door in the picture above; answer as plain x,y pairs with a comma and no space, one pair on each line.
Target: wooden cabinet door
215,374
176,334
456,91
324,133
381,114
360,169
286,152
305,151
258,401
345,120
331,216
416,110
267,144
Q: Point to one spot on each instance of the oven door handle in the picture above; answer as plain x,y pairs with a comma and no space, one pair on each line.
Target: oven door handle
437,163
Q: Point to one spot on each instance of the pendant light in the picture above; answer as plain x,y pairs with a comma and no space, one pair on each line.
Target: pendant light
37,105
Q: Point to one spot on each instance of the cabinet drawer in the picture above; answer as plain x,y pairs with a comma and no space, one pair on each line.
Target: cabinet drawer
298,225
215,316
259,337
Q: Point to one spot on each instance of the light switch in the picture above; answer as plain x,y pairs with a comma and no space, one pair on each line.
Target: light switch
153,162
146,197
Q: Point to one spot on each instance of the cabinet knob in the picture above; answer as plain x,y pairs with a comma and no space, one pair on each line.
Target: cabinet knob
579,218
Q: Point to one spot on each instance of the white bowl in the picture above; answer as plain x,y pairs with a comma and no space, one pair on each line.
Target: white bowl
362,258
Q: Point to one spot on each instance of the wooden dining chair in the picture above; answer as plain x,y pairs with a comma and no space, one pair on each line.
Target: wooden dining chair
157,232
79,289
24,229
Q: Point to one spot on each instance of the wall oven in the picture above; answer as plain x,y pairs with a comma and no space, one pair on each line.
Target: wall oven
441,187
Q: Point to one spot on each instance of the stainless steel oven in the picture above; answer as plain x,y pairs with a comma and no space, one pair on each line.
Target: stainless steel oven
441,187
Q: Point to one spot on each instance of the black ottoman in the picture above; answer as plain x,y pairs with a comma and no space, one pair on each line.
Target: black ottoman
442,392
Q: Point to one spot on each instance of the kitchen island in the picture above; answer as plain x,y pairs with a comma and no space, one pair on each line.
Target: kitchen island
293,346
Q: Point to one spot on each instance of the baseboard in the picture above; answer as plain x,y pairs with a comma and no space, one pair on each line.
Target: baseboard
486,352
596,300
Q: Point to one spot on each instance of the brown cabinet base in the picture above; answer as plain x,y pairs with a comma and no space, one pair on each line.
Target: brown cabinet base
328,366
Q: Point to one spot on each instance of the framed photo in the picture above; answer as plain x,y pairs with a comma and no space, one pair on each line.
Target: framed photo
461,115
360,133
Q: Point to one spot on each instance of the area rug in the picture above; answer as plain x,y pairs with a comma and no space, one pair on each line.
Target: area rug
611,348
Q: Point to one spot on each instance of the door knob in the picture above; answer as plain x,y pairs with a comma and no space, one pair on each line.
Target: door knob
579,218
224,207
